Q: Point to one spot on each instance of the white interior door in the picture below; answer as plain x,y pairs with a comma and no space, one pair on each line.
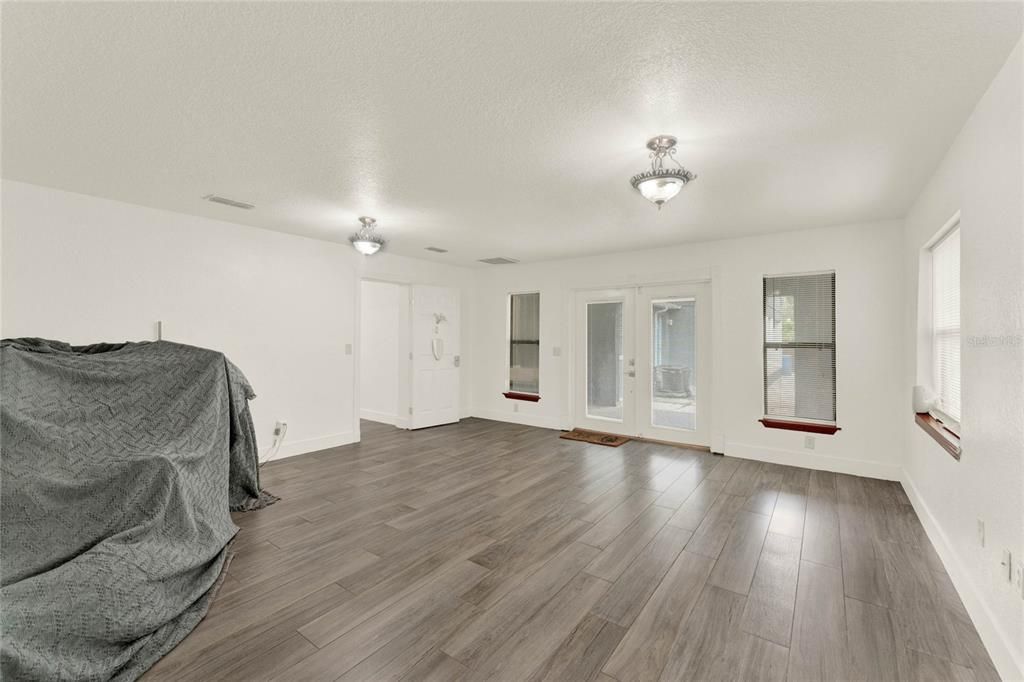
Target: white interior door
673,363
605,363
434,356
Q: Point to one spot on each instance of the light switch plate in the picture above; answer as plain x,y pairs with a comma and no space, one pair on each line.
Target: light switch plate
556,351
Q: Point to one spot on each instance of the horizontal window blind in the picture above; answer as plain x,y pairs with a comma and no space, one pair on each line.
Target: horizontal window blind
946,323
800,347
524,343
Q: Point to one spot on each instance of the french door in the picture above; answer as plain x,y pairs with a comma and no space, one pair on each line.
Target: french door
605,374
643,362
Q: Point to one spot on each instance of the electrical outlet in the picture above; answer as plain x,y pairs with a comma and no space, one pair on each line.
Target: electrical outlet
981,533
515,407
556,351
348,349
809,442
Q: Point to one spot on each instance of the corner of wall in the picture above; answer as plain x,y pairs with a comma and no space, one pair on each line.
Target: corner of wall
980,175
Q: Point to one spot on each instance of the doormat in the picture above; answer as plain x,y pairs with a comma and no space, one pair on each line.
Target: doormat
595,437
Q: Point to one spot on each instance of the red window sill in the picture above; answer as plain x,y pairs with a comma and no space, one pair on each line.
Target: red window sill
949,441
516,395
808,427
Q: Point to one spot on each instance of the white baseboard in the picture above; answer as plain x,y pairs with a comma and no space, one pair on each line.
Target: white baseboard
381,417
542,421
1008,661
301,447
812,460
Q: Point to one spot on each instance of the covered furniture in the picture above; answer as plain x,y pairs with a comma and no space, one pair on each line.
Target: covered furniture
119,464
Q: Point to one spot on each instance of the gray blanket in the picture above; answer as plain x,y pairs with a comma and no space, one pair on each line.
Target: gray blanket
118,465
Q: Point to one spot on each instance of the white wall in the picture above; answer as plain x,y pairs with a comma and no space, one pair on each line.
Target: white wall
82,269
380,327
867,262
981,176
281,307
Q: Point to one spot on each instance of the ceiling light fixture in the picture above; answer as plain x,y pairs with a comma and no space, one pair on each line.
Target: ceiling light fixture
659,184
365,241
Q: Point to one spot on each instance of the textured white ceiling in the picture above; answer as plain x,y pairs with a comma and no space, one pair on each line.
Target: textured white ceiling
497,129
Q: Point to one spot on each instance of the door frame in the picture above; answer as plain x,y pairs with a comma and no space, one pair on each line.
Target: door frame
405,370
703,276
404,331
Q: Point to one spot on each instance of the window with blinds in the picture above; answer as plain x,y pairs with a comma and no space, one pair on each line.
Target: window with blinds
524,343
945,329
800,347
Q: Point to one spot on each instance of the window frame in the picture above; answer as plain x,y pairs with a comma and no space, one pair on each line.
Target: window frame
945,420
805,424
510,343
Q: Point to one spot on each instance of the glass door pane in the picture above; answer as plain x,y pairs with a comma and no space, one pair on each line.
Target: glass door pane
604,360
674,363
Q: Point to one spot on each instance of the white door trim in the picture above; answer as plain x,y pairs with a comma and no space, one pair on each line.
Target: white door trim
404,331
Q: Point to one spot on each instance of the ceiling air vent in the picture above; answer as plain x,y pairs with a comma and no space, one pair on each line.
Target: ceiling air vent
228,202
498,261
437,249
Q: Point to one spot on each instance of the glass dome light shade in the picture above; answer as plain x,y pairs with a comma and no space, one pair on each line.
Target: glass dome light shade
660,189
366,247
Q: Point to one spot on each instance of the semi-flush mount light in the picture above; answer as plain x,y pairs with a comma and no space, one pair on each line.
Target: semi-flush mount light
659,184
365,241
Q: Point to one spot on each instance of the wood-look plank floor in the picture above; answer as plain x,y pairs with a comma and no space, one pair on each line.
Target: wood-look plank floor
492,551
